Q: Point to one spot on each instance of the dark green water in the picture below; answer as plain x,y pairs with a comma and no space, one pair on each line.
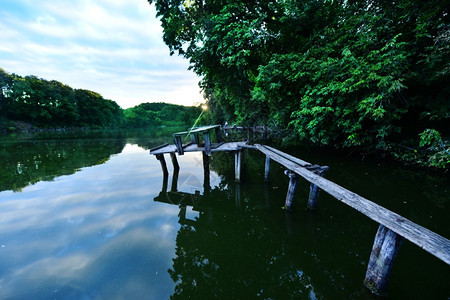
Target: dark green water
90,216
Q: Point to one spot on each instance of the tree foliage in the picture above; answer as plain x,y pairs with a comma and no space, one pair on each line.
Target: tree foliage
160,114
46,103
340,73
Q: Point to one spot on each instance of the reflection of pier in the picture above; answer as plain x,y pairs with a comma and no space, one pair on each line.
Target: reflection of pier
201,203
392,229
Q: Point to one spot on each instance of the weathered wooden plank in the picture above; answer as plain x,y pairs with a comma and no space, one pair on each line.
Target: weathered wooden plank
158,147
290,157
162,150
430,241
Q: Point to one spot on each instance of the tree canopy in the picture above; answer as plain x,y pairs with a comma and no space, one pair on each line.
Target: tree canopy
339,73
44,103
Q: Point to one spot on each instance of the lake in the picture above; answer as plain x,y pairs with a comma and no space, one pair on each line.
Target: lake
90,216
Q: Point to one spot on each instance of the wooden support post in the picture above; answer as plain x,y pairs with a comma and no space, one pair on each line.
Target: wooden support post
207,140
237,196
174,186
267,168
178,144
182,213
218,135
206,175
314,189
175,164
293,179
384,250
164,185
162,161
194,138
237,165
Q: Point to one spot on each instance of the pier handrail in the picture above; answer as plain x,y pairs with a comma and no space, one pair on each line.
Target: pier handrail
431,242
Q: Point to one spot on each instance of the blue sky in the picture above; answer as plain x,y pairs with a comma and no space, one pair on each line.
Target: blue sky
113,47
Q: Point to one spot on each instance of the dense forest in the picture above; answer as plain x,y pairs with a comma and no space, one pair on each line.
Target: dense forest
347,74
32,102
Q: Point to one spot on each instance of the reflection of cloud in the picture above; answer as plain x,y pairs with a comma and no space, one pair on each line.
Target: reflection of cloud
97,230
104,269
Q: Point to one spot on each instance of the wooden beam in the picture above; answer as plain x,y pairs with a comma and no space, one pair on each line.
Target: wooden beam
421,236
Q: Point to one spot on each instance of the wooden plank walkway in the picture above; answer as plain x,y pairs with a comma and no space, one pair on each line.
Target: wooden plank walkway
421,236
215,147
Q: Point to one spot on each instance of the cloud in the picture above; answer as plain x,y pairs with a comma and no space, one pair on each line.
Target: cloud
112,47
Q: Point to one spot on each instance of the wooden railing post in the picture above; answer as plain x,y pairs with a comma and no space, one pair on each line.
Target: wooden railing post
293,179
178,144
384,250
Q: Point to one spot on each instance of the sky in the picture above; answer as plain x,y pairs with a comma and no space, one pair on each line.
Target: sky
112,47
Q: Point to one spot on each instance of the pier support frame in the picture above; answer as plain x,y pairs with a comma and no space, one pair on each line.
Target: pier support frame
385,249
293,180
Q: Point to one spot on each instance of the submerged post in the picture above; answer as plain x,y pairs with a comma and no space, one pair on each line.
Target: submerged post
293,179
385,249
206,179
162,161
174,186
175,164
267,168
237,165
314,189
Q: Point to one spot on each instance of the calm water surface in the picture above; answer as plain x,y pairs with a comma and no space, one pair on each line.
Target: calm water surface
93,218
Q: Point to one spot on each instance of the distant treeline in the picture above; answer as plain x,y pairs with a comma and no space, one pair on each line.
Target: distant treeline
51,104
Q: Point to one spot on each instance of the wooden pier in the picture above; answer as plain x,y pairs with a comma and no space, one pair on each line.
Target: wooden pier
393,228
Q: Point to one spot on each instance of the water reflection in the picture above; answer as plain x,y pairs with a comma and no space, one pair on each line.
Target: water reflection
27,162
93,234
122,230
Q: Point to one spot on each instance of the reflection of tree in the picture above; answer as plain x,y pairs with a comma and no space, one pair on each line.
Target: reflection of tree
237,256
235,249
28,162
